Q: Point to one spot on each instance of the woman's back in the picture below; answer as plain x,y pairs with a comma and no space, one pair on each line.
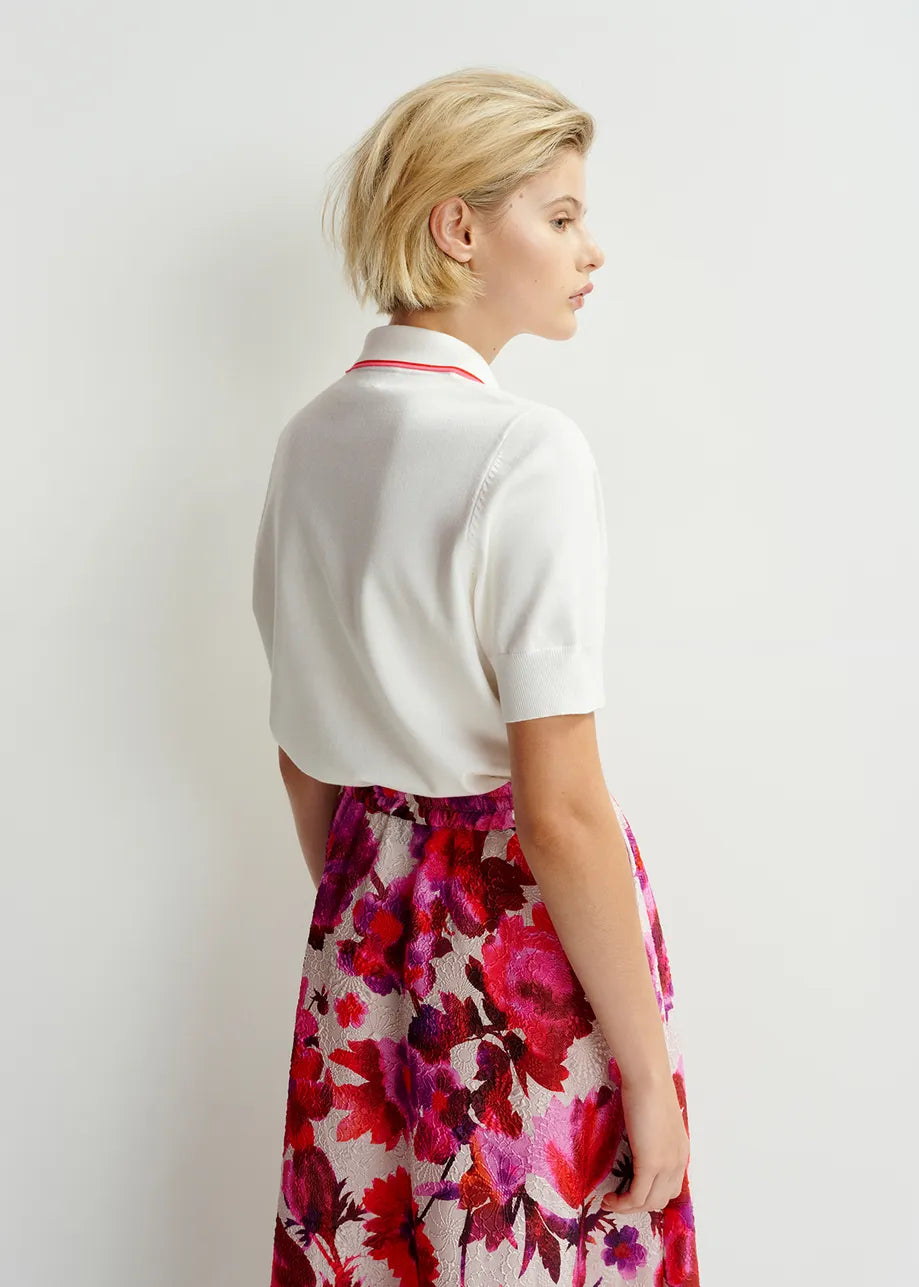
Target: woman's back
430,563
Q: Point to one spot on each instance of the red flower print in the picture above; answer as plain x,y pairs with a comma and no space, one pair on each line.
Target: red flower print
395,1232
496,1176
515,854
350,1010
370,1109
454,1113
475,890
529,977
351,853
402,1094
384,924
575,1144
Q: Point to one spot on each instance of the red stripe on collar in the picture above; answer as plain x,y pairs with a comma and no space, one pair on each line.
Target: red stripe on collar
414,366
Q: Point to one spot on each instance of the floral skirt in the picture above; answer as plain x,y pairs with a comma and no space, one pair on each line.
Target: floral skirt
454,1114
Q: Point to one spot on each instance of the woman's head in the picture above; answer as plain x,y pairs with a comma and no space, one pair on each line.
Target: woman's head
465,199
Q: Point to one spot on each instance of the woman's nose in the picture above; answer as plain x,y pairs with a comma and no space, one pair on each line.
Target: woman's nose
597,257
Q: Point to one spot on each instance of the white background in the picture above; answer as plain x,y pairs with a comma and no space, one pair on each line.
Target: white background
746,373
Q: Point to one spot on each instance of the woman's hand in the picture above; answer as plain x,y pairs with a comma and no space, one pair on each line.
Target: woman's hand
659,1144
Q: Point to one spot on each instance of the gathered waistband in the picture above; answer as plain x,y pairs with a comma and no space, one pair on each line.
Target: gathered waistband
493,810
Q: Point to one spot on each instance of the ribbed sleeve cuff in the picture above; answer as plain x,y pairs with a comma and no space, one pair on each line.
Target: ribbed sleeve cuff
551,681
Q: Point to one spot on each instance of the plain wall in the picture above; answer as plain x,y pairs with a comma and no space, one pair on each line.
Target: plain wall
746,373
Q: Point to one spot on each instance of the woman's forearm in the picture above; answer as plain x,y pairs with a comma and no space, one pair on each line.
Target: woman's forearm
313,805
588,887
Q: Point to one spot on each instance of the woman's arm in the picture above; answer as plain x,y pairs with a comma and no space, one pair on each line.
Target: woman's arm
313,804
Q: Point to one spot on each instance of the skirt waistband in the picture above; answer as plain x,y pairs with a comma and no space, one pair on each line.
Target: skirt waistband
494,810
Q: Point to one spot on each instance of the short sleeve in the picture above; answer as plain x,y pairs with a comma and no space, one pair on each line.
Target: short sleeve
538,533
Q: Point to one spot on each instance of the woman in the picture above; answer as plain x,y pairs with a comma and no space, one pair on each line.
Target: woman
485,1084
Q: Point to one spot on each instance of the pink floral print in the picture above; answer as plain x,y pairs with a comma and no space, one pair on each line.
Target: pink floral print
454,1114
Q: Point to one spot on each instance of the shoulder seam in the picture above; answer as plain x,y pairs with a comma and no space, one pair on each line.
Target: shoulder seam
492,467
489,473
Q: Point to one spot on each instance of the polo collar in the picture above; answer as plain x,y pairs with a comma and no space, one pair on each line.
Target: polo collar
418,347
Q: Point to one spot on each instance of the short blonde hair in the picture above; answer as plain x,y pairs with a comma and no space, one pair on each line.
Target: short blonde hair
476,133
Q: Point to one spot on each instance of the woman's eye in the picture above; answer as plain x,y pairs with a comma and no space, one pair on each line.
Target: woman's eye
562,219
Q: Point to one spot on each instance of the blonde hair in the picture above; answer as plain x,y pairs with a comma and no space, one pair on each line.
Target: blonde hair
476,133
